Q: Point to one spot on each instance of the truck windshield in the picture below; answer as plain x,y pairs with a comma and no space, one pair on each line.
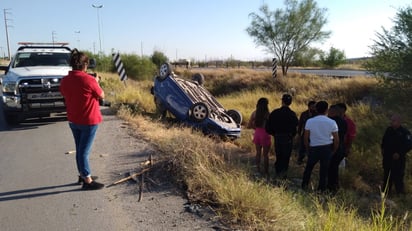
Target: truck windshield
27,59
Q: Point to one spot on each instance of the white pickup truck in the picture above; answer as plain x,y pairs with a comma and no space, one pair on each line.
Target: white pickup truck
30,84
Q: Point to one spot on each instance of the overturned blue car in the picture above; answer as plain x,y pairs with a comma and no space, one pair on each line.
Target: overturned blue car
190,103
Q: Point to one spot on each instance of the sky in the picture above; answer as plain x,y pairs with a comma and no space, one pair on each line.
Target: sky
181,29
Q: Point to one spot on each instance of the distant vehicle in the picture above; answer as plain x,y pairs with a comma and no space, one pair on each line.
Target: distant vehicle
189,102
30,84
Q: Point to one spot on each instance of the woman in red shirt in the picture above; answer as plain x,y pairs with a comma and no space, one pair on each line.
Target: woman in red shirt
82,93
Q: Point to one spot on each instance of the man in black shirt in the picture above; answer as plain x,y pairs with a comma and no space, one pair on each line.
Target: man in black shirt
309,113
336,113
395,144
282,125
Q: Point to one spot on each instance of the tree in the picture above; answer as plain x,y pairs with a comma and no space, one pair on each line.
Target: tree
158,58
286,32
307,57
392,50
333,58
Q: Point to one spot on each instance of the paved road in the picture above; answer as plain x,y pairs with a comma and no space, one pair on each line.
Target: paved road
320,72
331,73
37,190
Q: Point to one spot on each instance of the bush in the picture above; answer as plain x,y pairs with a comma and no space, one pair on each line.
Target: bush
138,68
158,58
333,58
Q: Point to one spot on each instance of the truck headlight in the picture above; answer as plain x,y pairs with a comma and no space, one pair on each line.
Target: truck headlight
9,86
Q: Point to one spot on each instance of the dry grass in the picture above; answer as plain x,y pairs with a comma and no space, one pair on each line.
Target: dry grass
219,173
133,94
212,175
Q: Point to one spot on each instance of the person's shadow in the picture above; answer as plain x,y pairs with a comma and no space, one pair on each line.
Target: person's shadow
37,192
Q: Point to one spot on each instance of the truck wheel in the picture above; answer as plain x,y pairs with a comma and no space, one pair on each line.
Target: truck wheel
12,119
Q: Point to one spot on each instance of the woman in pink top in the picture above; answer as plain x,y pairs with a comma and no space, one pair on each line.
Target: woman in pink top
261,138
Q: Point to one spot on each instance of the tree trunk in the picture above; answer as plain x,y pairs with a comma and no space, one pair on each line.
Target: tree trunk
284,70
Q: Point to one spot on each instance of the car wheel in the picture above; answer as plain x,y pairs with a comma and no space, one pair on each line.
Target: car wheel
200,111
235,115
199,78
164,71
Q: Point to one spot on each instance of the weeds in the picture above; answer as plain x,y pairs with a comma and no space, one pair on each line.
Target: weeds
220,173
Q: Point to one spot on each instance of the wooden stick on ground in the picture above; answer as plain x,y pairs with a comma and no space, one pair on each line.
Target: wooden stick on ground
148,162
141,187
129,177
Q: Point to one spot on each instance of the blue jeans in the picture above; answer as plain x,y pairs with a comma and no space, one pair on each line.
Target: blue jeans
317,154
83,138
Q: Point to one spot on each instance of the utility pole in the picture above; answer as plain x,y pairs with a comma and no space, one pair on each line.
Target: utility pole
78,39
53,37
97,7
6,11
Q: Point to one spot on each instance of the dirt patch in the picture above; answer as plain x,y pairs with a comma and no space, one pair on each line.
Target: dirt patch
155,203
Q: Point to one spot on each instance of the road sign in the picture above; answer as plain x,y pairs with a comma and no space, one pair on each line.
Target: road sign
119,66
274,67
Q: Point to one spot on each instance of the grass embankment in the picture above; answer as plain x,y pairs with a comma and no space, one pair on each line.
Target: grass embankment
216,173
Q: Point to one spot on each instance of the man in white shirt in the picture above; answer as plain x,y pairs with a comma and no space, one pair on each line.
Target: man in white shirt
322,140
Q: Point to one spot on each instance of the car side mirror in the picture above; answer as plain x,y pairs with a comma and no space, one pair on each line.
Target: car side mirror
92,63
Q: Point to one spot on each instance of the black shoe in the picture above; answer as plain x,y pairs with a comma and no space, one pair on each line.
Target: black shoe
81,180
92,186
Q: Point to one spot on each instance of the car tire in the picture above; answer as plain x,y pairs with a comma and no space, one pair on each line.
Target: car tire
199,111
12,119
164,71
199,78
235,115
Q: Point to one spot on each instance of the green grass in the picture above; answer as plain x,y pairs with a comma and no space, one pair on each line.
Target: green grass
220,173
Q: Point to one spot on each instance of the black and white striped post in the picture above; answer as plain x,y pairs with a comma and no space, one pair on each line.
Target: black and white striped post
119,66
274,68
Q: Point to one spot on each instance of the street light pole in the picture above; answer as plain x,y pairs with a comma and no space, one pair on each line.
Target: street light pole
97,7
78,39
53,37
6,11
